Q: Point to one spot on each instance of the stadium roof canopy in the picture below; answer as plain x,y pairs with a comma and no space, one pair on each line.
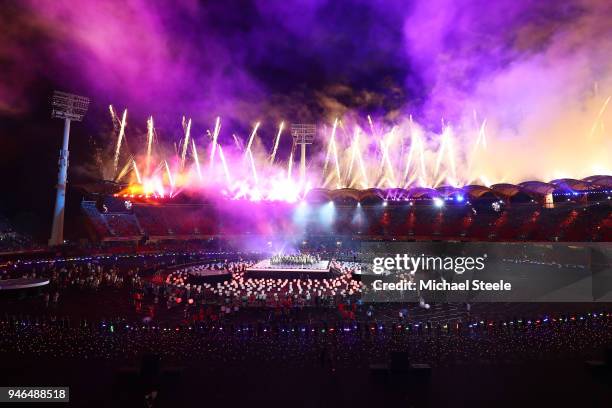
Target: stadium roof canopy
522,192
603,181
318,195
476,192
538,187
573,185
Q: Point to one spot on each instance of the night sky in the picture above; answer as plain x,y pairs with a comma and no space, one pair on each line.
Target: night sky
271,60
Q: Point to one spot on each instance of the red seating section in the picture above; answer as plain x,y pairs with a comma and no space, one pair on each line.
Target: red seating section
193,221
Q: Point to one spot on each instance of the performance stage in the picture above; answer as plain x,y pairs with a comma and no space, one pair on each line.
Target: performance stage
264,269
202,273
205,273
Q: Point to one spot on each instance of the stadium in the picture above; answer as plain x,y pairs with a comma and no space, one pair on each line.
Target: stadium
309,203
561,210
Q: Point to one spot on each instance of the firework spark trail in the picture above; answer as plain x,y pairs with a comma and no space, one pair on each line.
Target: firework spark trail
423,179
123,171
215,137
149,144
329,147
446,149
354,147
290,162
169,173
135,167
119,141
349,152
249,153
280,130
185,142
336,159
386,157
598,120
332,150
381,165
441,150
481,140
248,148
113,115
409,156
484,134
337,162
371,125
225,168
381,174
418,143
382,148
451,155
196,159
364,174
252,160
237,142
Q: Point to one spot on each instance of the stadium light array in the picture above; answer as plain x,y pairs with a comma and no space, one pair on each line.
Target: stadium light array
68,107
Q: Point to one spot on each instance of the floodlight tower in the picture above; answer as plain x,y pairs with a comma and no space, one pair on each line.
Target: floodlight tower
303,134
68,107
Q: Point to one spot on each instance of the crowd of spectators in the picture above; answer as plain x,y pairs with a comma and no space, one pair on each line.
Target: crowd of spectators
257,319
350,346
243,291
12,240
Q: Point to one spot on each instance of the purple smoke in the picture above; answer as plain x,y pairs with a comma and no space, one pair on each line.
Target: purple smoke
525,66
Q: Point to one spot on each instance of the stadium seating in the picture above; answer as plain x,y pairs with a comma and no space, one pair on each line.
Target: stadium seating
123,225
517,222
95,219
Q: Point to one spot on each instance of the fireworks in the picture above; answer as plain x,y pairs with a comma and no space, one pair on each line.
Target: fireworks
377,155
120,138
278,135
215,135
187,127
150,143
